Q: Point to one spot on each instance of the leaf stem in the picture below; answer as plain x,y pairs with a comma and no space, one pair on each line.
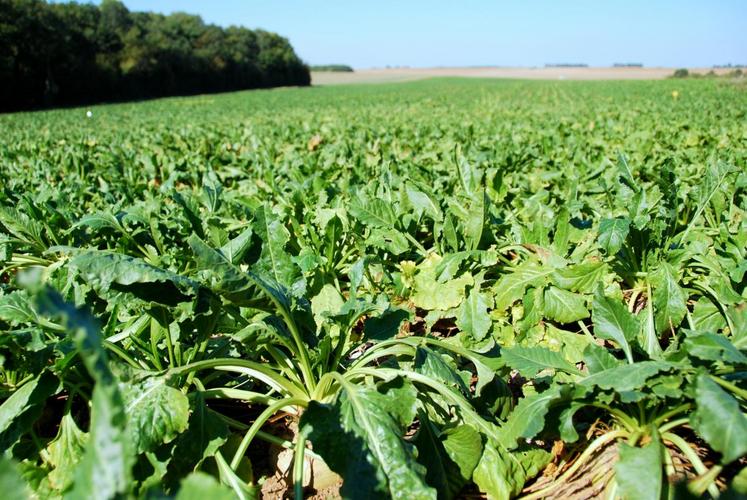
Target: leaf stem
259,422
694,459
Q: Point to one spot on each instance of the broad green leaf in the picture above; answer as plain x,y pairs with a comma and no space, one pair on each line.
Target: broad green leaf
14,487
226,279
204,436
362,442
19,412
564,306
707,316
430,363
156,412
64,453
626,377
328,302
719,420
104,270
529,361
424,204
612,321
612,234
499,474
389,240
430,294
473,317
201,486
464,446
235,249
639,471
713,347
274,261
15,307
105,469
374,213
597,359
581,278
669,299
512,286
449,457
528,418
567,428
386,326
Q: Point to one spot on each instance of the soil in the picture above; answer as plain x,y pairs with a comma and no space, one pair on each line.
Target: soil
381,75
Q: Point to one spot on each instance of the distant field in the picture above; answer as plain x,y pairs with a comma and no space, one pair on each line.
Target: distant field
402,74
452,288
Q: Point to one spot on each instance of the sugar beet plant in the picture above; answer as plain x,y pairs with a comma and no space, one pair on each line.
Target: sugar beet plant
426,290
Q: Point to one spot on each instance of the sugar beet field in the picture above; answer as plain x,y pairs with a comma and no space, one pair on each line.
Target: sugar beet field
438,289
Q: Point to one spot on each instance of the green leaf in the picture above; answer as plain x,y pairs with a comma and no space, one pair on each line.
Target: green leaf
13,485
639,471
156,412
362,442
512,286
386,326
424,204
235,249
201,486
473,317
612,234
597,359
567,428
499,474
64,452
449,457
719,420
528,418
612,321
707,316
15,308
105,470
529,361
669,299
204,436
374,213
626,377
713,347
431,363
430,294
563,306
274,261
104,270
19,412
227,280
581,278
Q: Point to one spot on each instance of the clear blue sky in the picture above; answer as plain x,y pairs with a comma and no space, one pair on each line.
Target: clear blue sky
368,33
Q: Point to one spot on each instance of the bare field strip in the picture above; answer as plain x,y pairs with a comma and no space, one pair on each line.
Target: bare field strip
378,75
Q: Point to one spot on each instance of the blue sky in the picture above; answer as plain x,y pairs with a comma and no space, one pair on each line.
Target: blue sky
367,33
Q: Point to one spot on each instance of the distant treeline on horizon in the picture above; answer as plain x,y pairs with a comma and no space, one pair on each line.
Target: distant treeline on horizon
54,54
567,65
341,68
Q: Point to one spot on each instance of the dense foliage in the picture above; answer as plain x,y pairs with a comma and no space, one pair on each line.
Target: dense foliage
434,288
70,53
333,67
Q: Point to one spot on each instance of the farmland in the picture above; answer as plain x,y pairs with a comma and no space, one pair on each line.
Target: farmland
436,289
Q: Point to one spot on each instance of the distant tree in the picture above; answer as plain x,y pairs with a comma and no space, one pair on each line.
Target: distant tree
681,73
343,68
69,53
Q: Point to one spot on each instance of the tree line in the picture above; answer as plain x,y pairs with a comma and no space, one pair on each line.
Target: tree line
54,54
